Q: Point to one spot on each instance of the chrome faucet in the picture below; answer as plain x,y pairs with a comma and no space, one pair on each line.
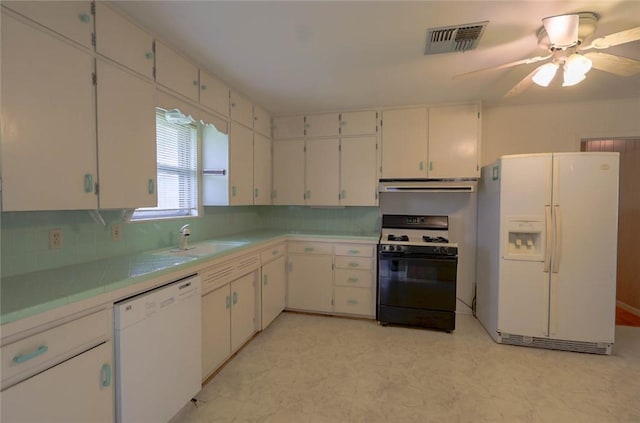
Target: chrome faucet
185,232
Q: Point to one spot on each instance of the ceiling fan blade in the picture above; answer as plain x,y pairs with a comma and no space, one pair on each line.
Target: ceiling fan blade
523,84
504,66
614,64
562,30
618,38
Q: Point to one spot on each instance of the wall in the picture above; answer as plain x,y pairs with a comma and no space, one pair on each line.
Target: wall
355,220
555,127
25,235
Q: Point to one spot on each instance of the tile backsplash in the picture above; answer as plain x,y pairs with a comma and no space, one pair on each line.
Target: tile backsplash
25,235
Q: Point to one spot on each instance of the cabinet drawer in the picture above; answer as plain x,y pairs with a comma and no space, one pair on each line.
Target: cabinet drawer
310,248
354,278
353,262
272,253
355,250
45,349
216,276
353,300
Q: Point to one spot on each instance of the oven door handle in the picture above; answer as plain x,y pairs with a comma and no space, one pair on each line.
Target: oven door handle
411,256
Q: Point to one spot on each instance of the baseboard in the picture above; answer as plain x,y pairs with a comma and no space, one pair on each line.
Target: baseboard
628,308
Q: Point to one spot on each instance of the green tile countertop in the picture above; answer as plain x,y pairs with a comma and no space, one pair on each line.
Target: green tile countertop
28,294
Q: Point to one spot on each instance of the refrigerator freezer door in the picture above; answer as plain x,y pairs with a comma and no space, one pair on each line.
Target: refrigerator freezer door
523,289
584,289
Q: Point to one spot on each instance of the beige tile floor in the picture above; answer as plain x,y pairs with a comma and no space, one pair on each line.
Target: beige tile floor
307,368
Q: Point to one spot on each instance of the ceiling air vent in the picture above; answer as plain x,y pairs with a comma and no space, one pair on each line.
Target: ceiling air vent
451,39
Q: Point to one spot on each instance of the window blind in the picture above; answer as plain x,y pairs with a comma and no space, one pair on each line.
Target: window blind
177,170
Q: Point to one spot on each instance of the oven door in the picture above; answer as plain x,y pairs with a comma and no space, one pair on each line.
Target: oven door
417,281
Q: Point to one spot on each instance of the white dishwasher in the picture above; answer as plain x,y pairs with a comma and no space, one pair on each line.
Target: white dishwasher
158,351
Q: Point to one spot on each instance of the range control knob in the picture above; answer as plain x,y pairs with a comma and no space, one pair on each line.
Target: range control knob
391,248
399,248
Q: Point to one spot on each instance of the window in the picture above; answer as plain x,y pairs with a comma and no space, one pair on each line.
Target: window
177,141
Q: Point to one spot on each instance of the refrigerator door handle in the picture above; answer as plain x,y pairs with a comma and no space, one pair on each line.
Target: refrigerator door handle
557,251
548,239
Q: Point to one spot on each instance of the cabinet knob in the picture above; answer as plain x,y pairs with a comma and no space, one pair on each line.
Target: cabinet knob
421,165
256,193
149,55
88,182
430,165
203,87
228,302
105,375
352,280
151,186
235,298
266,279
195,83
84,17
233,104
233,191
255,118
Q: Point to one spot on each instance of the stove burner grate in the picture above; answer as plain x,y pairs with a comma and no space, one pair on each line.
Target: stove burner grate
438,239
392,237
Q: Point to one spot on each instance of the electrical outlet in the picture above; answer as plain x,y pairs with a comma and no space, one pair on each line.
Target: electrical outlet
115,232
55,239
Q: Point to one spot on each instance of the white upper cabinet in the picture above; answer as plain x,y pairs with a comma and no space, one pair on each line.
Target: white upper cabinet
71,19
404,143
126,139
322,172
323,125
48,122
241,109
214,94
261,121
454,141
358,171
359,123
261,169
288,172
176,73
122,41
288,127
240,165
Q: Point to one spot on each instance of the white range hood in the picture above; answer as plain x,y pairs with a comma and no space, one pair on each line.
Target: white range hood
427,186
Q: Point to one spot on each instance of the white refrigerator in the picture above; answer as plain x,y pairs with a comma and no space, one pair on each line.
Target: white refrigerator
546,250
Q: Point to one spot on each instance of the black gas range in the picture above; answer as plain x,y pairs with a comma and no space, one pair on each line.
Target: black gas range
417,271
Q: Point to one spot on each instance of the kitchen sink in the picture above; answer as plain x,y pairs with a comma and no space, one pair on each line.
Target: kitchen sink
202,249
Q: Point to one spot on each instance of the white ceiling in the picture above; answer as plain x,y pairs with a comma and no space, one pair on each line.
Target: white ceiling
308,56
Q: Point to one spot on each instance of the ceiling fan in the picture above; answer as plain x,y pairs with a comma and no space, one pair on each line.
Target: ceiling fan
564,36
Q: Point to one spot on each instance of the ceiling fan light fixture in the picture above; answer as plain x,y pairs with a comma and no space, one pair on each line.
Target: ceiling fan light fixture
545,74
575,69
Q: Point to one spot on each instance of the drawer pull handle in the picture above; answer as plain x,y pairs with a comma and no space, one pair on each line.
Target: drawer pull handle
354,251
21,358
352,264
309,249
105,375
88,182
235,298
352,280
352,302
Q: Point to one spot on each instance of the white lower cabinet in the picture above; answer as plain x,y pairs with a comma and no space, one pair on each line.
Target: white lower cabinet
228,311
310,277
332,278
62,374
273,289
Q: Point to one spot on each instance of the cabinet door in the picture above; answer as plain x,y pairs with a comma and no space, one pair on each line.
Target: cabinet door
404,143
359,123
77,390
261,121
126,139
240,165
323,125
214,94
123,41
322,172
176,73
71,19
454,138
243,310
241,109
273,290
287,127
261,169
358,171
216,329
288,172
310,281
48,122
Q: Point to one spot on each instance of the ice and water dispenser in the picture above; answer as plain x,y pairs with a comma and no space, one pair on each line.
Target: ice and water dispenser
524,239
